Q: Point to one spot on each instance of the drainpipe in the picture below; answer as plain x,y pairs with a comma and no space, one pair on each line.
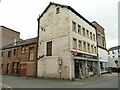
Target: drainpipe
37,48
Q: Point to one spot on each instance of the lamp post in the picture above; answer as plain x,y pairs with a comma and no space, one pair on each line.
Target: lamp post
116,62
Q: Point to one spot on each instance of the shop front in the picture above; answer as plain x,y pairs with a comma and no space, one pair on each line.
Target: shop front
85,66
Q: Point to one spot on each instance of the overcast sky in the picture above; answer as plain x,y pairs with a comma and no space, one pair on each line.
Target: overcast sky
21,15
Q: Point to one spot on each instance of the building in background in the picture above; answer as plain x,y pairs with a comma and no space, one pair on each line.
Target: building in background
7,36
101,47
114,54
67,47
20,58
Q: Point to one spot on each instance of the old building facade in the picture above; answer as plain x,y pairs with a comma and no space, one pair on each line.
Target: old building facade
114,54
19,58
67,47
7,36
101,46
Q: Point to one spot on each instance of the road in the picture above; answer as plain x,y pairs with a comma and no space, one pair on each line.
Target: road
106,81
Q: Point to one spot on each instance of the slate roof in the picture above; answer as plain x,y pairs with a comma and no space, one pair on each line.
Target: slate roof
114,48
68,7
21,42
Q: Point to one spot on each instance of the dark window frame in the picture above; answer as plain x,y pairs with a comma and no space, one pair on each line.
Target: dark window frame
49,49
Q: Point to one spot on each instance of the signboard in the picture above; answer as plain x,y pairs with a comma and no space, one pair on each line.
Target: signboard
75,53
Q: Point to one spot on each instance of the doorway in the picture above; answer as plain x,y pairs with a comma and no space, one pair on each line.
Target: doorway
77,74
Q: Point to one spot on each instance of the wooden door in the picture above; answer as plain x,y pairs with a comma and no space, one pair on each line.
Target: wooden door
23,69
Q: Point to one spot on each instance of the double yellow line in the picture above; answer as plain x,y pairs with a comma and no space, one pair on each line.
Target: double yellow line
6,86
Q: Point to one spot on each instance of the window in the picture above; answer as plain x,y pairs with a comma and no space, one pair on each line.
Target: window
22,49
113,52
103,41
49,48
2,54
88,46
74,43
83,31
32,53
15,51
87,33
79,29
80,45
57,10
118,51
9,53
27,49
95,50
91,35
94,37
99,39
84,45
74,26
91,48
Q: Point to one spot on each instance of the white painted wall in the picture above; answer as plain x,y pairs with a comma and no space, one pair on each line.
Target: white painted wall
103,55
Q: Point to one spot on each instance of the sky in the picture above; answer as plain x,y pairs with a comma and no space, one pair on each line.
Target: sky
21,15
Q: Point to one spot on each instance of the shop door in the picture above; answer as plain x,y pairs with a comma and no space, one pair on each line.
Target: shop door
23,69
77,73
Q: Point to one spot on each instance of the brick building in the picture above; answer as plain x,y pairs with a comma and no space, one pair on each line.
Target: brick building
19,58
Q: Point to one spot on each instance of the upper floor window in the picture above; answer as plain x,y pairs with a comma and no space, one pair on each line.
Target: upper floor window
99,41
74,43
49,48
91,35
79,29
113,52
91,48
103,41
9,53
22,49
87,33
74,26
57,10
27,49
94,37
88,46
80,45
32,53
15,52
95,50
2,54
84,46
83,31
